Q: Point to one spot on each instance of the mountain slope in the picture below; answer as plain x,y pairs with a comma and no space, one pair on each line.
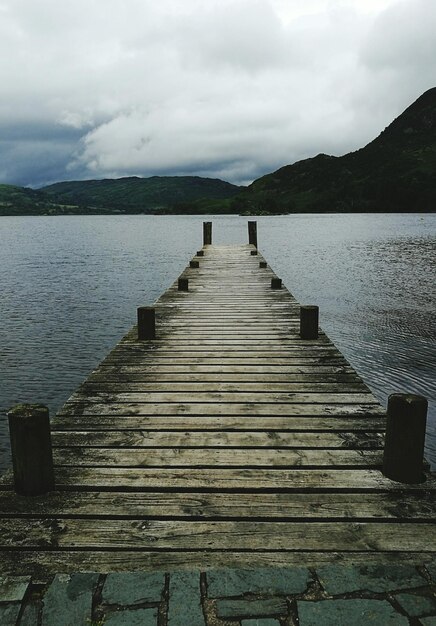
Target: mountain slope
395,172
137,195
21,201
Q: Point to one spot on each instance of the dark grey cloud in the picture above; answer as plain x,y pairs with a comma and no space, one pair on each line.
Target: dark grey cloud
226,88
35,154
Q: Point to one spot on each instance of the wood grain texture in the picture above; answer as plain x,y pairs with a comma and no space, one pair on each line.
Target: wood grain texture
223,439
149,479
203,535
214,410
371,505
222,423
214,457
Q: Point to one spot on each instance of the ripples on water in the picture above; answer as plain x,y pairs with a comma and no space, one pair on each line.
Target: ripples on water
71,285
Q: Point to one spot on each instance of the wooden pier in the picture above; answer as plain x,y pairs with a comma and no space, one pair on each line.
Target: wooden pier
226,440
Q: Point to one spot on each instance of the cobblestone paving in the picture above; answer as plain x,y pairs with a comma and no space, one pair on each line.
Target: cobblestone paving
331,595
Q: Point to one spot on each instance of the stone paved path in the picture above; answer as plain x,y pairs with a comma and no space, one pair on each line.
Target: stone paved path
331,595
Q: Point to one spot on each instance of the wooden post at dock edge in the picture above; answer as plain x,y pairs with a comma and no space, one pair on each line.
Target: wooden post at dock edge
276,283
403,456
262,264
32,458
183,284
194,263
207,233
252,233
309,315
200,253
146,323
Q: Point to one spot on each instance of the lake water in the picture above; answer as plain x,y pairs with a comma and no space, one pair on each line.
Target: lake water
70,287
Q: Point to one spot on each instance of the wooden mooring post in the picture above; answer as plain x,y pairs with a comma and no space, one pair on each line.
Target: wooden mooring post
207,233
32,459
183,284
405,436
146,322
276,283
252,233
309,315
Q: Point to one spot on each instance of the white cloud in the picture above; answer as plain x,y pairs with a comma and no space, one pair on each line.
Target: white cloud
245,35
75,119
232,88
403,40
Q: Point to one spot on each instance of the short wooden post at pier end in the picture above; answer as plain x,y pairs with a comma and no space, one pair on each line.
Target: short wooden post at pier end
309,322
276,283
200,253
253,252
207,233
194,264
403,456
183,284
146,323
262,264
32,458
252,233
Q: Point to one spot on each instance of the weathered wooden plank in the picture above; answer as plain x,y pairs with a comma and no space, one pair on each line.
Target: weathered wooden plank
192,339
275,313
217,535
350,423
214,409
91,388
209,325
141,375
264,301
182,344
187,336
231,330
211,297
214,457
293,506
209,359
161,366
211,439
226,397
253,348
143,479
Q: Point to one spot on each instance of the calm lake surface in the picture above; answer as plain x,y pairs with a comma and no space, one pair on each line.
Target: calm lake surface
70,287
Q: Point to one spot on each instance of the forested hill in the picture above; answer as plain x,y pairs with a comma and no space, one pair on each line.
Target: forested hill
22,201
113,196
395,172
138,195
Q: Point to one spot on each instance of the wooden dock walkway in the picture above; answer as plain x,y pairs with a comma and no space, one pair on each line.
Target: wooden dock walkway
226,441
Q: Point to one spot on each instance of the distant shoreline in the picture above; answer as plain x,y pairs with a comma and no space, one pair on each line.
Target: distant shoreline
254,214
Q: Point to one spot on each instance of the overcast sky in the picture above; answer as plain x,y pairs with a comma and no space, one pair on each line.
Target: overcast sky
223,88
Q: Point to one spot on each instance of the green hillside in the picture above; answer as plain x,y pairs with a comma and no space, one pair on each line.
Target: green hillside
22,201
138,195
395,172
